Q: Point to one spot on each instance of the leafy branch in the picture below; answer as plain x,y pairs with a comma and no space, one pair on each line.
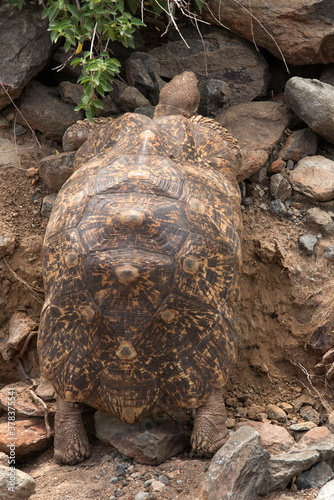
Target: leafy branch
93,22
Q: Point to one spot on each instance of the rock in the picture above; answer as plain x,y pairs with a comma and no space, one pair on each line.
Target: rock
71,92
147,111
329,253
280,188
4,459
276,413
157,485
30,437
302,426
278,208
303,30
142,495
130,99
283,467
56,169
7,240
313,102
319,439
255,412
237,469
299,144
314,178
326,492
331,422
215,96
227,57
274,438
277,166
146,442
24,402
47,204
258,127
317,476
310,414
20,325
26,47
307,243
45,111
305,399
319,220
15,484
45,390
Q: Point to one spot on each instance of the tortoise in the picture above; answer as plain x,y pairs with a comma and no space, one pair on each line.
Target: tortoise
141,266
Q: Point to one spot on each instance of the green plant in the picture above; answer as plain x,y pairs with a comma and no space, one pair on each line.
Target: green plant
95,23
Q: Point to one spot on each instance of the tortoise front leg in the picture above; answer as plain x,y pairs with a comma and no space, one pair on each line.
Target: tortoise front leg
71,442
210,432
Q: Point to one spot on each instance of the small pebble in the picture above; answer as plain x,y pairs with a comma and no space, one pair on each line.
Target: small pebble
121,470
329,253
278,208
164,479
307,243
142,495
113,480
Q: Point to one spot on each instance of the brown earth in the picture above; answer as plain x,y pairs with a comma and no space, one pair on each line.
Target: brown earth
282,290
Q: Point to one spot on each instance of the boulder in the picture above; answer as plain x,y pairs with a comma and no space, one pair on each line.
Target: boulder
314,177
26,47
303,30
300,143
45,111
15,484
237,469
29,436
275,438
313,102
220,54
56,169
258,127
146,442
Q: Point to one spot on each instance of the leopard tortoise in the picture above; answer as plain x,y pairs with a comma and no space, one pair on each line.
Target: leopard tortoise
141,265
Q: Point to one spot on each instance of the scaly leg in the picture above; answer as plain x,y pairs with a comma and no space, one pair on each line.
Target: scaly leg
210,432
71,442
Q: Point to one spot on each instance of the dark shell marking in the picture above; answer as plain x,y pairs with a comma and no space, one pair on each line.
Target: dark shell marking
141,263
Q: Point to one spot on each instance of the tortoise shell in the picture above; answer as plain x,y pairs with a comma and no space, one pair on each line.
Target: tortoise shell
141,263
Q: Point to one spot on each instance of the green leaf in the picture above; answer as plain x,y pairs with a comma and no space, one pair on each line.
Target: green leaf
89,115
74,11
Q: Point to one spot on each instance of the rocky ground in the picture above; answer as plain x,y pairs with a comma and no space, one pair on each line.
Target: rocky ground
281,379
282,287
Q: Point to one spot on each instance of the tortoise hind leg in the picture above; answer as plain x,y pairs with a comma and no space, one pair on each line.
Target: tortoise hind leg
71,442
210,432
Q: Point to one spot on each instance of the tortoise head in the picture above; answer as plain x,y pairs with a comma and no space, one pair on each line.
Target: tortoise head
180,96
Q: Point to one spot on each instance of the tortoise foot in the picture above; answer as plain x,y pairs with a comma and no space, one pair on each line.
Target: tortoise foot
71,442
210,432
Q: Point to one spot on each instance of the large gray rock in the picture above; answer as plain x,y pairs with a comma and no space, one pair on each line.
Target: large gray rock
258,127
284,466
56,169
302,29
18,486
224,57
45,111
146,442
26,47
314,177
313,102
237,469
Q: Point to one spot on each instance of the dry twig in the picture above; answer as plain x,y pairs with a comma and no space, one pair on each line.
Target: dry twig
32,289
313,390
45,409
